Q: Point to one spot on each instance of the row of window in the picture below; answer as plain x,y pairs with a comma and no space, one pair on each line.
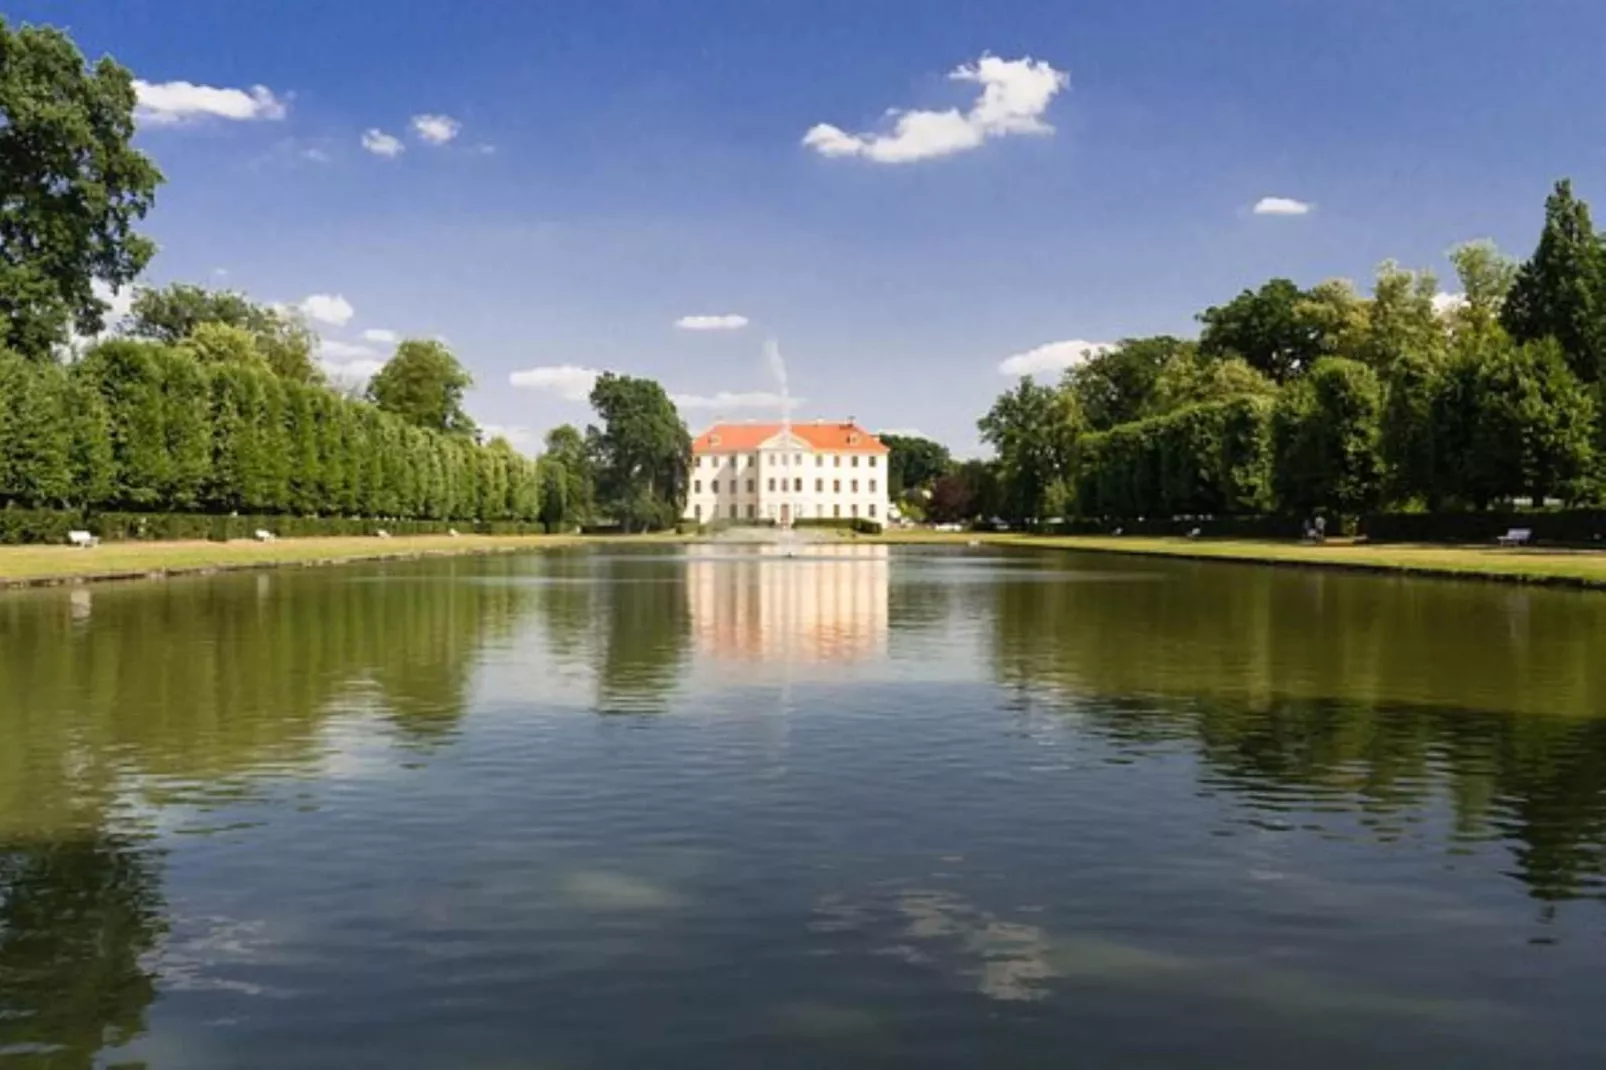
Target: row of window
752,512
714,461
797,485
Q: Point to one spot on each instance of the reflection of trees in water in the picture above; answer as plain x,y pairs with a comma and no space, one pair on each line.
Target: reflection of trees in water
1349,692
625,616
76,917
201,680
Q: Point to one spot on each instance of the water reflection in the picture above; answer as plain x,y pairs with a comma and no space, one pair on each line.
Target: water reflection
808,603
1016,801
1317,699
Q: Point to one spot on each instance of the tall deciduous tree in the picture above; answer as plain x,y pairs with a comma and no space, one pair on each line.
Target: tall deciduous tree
181,311
1560,291
71,189
1033,429
1326,439
1400,321
566,447
913,463
642,452
1117,386
1268,327
1486,277
424,385
1190,378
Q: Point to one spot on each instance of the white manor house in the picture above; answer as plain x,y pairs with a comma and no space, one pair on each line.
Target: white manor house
782,473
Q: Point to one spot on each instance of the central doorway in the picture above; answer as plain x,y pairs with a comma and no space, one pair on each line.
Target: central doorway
786,514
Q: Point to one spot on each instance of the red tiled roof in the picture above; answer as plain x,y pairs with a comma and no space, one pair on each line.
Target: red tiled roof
835,436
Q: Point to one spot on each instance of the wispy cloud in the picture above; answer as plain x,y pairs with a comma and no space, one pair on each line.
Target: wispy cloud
729,322
173,103
332,309
1053,357
726,400
1282,206
381,335
1015,93
436,129
568,381
380,143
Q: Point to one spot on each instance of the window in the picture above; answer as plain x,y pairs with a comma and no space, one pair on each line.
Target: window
819,460
797,484
855,486
733,511
698,512
819,486
872,511
836,486
733,486
752,511
872,486
836,460
872,460
855,508
819,509
696,486
752,462
772,482
855,460
797,459
836,510
752,486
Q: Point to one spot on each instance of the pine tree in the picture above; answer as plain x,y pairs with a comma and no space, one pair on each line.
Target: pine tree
1560,291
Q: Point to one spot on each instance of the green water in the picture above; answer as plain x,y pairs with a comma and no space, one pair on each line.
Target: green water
717,807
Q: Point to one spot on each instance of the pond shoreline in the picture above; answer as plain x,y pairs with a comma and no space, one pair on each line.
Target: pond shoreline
52,566
1577,569
55,566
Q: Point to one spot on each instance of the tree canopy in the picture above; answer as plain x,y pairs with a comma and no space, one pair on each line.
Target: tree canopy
641,453
72,188
913,463
424,385
176,312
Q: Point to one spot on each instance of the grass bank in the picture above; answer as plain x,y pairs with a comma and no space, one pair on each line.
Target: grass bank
31,565
1559,567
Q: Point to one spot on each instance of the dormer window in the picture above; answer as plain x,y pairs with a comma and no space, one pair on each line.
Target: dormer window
853,439
713,440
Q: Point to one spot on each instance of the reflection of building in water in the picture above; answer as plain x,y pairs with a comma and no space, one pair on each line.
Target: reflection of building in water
812,603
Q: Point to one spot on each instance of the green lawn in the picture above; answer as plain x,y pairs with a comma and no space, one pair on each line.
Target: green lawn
1584,568
21,564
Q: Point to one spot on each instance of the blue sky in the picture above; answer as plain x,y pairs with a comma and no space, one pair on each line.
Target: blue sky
616,165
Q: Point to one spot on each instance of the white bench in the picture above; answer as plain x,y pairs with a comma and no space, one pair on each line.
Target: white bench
265,536
82,539
382,533
1516,537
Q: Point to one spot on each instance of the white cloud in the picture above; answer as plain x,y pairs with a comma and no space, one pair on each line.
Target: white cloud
315,154
1053,357
520,438
380,143
1282,206
729,322
348,365
334,349
1446,303
172,103
1015,94
568,381
725,400
436,129
381,335
332,309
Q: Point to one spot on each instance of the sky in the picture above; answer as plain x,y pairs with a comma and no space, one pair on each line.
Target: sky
915,200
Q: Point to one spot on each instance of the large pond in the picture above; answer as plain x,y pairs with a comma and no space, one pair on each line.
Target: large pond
714,807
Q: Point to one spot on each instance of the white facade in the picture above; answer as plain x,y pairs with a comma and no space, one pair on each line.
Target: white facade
784,477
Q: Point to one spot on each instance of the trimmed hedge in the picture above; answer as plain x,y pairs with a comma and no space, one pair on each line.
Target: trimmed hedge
1574,527
51,526
1209,459
1213,527
857,524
